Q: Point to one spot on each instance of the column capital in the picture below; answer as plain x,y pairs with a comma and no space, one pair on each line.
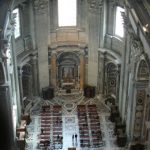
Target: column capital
40,6
95,5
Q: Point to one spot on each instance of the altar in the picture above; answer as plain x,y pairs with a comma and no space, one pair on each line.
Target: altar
67,71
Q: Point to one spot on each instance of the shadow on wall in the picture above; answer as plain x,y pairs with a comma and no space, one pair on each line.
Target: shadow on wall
6,132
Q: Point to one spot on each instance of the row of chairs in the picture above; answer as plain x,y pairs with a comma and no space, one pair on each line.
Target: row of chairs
46,121
57,125
51,115
83,126
94,125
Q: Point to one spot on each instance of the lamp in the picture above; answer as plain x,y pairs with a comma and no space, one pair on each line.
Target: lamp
146,28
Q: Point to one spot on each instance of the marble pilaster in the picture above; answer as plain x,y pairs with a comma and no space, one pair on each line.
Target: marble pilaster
53,69
41,21
82,70
34,75
20,86
95,14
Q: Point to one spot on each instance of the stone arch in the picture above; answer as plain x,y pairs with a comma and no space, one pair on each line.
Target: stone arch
68,69
2,74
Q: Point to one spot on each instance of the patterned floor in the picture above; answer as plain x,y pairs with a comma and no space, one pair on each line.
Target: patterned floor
70,123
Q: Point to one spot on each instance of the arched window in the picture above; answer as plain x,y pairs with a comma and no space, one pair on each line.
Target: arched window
67,12
17,23
119,29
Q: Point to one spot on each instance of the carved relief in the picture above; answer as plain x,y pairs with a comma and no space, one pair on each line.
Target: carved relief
95,5
143,71
28,43
111,78
4,45
136,46
40,6
6,54
140,99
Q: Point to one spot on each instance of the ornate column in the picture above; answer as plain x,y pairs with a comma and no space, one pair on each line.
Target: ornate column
82,70
53,69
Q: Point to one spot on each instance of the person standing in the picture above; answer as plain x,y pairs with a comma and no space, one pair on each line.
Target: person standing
72,138
58,138
76,136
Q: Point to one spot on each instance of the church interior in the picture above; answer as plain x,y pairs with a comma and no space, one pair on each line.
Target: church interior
74,75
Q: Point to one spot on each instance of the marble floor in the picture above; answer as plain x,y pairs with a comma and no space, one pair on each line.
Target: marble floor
70,123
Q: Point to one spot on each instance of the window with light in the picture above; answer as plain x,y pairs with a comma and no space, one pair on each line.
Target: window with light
119,29
17,23
67,12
